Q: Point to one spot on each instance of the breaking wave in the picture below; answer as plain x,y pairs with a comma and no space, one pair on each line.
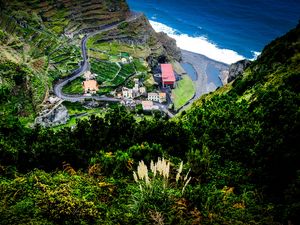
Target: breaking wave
200,45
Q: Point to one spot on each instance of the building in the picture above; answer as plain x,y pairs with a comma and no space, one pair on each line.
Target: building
142,90
124,61
127,93
157,97
90,87
149,105
153,97
136,91
168,76
136,88
162,97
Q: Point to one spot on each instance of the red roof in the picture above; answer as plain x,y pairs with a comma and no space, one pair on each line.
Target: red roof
167,73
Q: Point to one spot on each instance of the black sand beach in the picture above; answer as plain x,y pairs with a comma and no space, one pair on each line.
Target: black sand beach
205,81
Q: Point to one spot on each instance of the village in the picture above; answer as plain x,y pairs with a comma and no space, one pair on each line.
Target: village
112,76
138,94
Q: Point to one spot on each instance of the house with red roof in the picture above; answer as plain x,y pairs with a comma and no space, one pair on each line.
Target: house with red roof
90,86
168,76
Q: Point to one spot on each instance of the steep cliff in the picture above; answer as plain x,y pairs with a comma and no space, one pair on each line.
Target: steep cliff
237,69
160,47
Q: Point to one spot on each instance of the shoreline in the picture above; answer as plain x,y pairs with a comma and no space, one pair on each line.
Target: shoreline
200,64
205,57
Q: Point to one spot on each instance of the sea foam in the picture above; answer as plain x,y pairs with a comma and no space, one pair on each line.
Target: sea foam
199,45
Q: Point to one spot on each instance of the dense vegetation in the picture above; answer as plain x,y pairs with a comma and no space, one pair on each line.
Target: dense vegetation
238,145
112,74
74,87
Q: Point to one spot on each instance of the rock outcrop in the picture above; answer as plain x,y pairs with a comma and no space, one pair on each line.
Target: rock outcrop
170,46
224,74
54,117
237,69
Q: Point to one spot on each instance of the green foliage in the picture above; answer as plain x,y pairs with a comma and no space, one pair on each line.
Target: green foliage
52,198
17,90
226,206
111,74
74,87
241,147
104,70
2,36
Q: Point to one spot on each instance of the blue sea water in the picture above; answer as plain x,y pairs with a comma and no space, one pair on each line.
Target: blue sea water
225,30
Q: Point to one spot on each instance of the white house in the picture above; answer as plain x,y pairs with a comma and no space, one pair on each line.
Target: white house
127,93
153,97
157,97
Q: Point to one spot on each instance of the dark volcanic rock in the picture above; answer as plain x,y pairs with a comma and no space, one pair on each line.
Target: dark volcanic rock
237,69
170,46
140,32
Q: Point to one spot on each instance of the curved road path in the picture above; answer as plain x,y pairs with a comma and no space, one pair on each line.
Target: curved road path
85,66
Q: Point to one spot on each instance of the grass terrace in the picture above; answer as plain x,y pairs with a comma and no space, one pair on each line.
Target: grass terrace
114,48
183,92
74,87
106,71
111,74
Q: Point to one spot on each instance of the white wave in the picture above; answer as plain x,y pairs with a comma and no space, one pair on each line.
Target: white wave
255,55
198,44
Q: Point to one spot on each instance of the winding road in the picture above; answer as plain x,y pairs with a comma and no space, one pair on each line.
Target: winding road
85,66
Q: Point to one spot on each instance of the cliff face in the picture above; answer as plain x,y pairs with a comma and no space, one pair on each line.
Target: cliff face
161,48
237,69
170,46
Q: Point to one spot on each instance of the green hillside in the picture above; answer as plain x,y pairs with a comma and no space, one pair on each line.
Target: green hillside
238,146
34,52
232,158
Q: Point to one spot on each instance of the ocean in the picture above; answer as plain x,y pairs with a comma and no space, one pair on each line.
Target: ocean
223,30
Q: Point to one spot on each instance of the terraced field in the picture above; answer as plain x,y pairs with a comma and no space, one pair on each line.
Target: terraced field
105,71
62,56
72,15
111,74
74,88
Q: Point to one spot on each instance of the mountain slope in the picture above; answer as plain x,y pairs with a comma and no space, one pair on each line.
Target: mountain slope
70,15
256,121
239,146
